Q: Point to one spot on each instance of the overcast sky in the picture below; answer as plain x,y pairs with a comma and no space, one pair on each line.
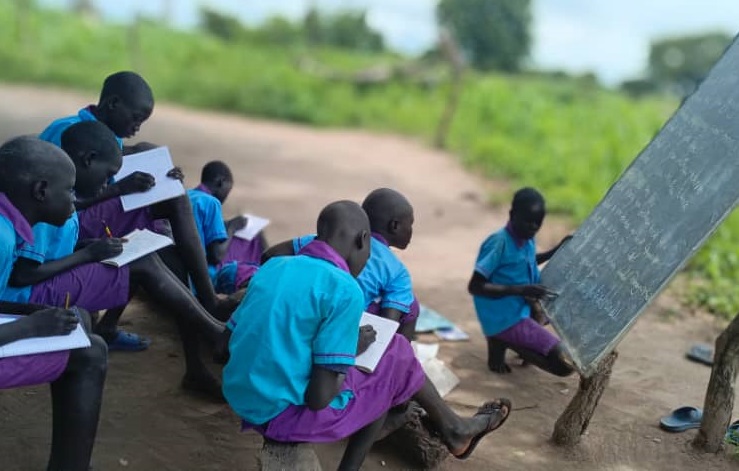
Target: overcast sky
608,37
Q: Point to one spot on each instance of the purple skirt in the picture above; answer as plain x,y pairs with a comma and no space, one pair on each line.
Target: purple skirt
397,378
28,370
530,335
92,286
245,251
110,212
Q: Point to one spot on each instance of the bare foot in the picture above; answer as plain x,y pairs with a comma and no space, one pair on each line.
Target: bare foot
397,419
489,417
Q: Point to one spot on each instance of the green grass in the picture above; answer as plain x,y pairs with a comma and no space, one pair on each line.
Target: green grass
568,138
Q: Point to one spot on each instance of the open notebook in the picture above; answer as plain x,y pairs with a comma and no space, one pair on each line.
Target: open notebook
77,339
140,243
254,225
385,329
156,162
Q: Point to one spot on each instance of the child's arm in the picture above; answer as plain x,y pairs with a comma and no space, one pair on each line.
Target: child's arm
326,382
20,309
137,182
480,286
42,323
545,256
28,272
278,250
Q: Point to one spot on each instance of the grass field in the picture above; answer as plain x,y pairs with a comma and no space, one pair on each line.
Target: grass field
568,138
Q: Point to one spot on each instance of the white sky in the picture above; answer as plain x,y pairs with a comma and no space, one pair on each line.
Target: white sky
608,37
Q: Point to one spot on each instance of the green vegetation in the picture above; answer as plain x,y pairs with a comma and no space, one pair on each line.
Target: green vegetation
567,137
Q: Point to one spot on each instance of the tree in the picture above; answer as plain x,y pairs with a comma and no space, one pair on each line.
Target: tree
220,25
682,63
494,34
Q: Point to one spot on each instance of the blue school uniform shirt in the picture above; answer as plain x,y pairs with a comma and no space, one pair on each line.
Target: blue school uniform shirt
14,232
298,311
208,215
49,243
505,260
385,279
53,132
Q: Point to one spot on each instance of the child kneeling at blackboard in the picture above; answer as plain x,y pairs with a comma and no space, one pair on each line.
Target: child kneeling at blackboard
506,290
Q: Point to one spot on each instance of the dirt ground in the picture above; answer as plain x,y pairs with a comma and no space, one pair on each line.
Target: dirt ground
287,173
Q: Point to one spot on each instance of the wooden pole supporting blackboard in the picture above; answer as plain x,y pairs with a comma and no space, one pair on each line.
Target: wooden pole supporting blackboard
719,402
576,417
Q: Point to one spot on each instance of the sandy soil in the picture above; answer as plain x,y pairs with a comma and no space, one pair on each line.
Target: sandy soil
288,173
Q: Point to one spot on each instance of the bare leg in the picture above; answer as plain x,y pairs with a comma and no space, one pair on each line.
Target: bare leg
359,445
192,320
76,398
553,363
164,288
496,356
189,247
456,432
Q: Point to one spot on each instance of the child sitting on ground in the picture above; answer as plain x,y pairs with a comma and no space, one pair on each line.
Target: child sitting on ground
126,102
292,346
232,260
505,286
35,186
95,286
385,281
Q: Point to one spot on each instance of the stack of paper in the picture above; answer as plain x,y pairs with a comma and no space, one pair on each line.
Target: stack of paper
156,162
77,339
139,243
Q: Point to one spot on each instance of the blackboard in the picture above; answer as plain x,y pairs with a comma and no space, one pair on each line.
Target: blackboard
661,210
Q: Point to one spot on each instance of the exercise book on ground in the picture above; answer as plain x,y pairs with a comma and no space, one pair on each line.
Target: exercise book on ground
31,346
139,243
385,329
156,162
254,225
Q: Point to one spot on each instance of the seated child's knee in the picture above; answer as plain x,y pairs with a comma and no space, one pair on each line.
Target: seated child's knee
93,357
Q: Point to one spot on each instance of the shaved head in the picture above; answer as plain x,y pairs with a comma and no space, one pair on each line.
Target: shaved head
345,227
126,102
38,178
390,215
27,159
128,86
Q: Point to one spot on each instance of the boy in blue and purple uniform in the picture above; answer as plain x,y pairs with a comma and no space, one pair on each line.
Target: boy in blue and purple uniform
35,186
232,261
385,280
505,288
126,102
95,286
293,342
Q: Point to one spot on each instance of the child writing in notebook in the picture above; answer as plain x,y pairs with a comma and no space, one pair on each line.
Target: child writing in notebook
40,190
292,346
95,286
505,286
385,281
233,261
126,102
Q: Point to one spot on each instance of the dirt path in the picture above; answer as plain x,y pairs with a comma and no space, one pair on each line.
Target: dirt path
288,173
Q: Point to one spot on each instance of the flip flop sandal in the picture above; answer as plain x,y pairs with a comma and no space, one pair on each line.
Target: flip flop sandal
128,342
682,419
492,409
701,353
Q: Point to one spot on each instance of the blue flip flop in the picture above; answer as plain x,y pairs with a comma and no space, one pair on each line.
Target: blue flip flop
128,342
701,353
732,434
682,419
